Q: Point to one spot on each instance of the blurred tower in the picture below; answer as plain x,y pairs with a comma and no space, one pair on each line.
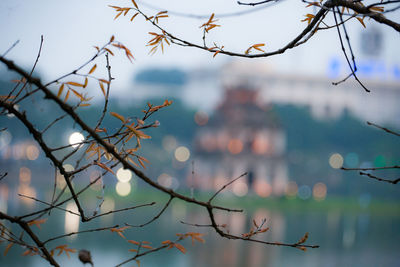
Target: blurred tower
243,135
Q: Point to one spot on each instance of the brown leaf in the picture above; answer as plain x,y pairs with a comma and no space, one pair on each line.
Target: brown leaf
116,115
8,248
60,90
105,167
93,68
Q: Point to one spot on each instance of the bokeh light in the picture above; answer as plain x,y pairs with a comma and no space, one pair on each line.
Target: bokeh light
336,161
262,188
32,152
124,175
182,154
169,143
235,146
291,189
319,191
201,118
240,188
75,139
165,180
25,175
5,138
304,192
71,220
123,189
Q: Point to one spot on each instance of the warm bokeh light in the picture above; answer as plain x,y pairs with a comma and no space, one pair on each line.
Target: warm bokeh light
71,220
291,189
32,152
260,145
169,143
262,188
336,161
4,198
182,154
235,146
123,189
201,118
29,191
75,139
124,175
240,188
319,191
25,176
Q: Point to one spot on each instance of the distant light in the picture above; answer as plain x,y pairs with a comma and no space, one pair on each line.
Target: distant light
304,192
124,175
18,152
262,188
260,145
319,191
240,188
25,176
27,190
291,189
169,143
123,189
235,146
5,139
165,180
182,154
71,220
336,161
351,160
201,118
75,139
32,152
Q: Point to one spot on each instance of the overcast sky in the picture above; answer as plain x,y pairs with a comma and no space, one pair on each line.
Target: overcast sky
71,28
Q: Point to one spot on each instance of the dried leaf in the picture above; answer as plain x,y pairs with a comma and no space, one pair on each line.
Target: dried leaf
37,222
361,20
66,96
8,248
105,167
180,247
93,68
75,84
60,90
116,115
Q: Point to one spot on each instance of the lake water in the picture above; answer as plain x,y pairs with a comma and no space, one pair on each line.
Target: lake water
348,236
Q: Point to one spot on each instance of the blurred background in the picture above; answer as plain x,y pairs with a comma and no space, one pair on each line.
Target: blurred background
279,119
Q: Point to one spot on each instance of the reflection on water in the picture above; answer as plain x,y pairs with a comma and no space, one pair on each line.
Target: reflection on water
347,238
71,220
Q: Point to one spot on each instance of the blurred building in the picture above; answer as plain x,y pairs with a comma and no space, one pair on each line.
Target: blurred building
242,135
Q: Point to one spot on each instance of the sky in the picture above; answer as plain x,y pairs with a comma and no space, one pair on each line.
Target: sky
71,29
